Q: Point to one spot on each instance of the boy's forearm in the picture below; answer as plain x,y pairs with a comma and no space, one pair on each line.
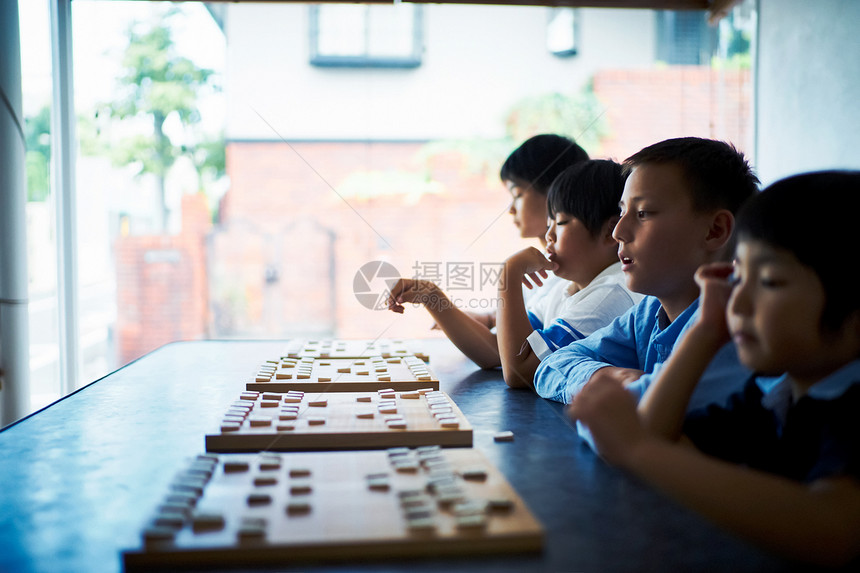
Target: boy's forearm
664,404
816,524
473,338
513,328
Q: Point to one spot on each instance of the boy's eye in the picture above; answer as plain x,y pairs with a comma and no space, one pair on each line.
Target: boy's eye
562,222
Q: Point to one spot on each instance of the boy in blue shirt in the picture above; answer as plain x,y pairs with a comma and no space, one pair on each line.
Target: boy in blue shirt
781,467
677,213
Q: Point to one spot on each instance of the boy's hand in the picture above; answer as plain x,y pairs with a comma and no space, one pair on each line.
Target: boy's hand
609,412
716,287
531,264
414,291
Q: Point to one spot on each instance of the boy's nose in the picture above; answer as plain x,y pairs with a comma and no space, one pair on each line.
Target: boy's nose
618,233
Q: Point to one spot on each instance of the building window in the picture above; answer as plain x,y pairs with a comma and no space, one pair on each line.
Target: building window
366,36
561,32
684,38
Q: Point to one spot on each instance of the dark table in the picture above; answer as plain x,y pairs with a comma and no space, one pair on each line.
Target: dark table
79,478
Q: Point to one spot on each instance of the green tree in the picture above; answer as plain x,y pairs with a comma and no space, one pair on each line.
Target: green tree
37,131
155,85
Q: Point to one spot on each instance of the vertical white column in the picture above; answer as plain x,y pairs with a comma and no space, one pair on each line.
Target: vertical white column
63,148
14,318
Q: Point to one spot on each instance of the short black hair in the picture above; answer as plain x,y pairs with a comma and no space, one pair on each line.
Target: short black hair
539,160
589,191
719,175
796,214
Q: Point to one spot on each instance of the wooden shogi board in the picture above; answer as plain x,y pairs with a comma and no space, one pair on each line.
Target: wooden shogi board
371,373
353,348
271,421
256,509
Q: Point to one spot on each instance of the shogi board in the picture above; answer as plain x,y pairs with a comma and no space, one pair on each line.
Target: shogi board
267,508
352,348
293,421
372,373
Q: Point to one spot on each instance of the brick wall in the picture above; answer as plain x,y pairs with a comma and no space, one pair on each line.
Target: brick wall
646,106
162,288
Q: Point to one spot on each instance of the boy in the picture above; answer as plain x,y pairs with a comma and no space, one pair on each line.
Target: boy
677,213
527,173
780,467
583,209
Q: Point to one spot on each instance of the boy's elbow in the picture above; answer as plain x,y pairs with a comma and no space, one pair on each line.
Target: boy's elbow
517,378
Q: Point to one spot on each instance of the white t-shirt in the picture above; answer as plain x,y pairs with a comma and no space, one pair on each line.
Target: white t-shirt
559,317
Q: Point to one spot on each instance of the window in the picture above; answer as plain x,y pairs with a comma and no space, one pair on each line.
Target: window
684,38
366,36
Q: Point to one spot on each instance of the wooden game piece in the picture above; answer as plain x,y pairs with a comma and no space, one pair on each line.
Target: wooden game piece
316,420
300,488
318,403
259,499
230,426
203,521
236,466
500,504
258,421
156,533
297,507
475,473
265,480
299,472
269,462
285,427
365,414
251,529
504,436
364,399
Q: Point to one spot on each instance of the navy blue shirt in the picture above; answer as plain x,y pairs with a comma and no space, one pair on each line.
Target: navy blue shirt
815,437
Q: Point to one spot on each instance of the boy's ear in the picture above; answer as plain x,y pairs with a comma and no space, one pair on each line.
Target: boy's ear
608,228
721,229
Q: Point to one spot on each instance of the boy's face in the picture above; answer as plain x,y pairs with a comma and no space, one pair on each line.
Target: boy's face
580,255
661,238
774,314
528,208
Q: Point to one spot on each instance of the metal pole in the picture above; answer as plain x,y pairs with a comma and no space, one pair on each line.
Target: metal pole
14,316
63,147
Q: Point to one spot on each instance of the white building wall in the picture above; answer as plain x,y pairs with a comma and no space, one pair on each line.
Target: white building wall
478,61
808,86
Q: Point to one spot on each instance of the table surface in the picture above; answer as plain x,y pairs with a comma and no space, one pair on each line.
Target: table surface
79,478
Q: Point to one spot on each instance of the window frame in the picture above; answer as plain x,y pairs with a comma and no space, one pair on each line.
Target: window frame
411,61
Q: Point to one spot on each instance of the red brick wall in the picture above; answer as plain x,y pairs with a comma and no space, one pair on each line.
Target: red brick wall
646,106
162,289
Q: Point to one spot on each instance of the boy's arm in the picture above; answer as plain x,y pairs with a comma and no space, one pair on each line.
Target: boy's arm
473,338
664,404
609,352
513,327
819,522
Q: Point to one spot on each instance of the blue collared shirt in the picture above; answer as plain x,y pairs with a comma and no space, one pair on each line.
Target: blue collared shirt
643,339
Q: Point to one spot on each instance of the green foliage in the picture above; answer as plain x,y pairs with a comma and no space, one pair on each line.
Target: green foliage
158,88
37,133
579,117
